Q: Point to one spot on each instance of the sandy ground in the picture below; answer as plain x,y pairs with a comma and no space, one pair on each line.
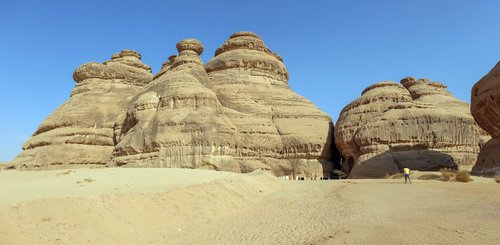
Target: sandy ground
182,206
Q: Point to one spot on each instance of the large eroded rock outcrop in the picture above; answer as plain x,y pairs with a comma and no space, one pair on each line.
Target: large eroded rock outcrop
276,126
485,107
419,125
374,100
86,127
236,113
177,121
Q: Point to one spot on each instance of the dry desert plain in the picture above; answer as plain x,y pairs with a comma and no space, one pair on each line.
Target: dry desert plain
187,206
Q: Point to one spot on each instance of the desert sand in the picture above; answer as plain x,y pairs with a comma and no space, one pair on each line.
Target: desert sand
186,206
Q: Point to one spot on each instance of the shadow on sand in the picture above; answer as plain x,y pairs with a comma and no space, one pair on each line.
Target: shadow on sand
392,162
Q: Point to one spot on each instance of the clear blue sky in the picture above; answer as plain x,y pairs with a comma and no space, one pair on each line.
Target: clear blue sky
333,49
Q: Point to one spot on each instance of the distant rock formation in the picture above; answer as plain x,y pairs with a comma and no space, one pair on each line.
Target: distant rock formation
419,125
485,107
86,127
236,113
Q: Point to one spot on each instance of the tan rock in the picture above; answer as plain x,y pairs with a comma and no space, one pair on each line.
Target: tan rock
86,127
430,131
485,107
236,113
176,121
165,66
488,160
240,117
276,126
373,101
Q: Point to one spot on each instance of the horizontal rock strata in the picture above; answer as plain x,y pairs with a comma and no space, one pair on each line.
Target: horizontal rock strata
236,113
176,121
419,125
278,127
85,129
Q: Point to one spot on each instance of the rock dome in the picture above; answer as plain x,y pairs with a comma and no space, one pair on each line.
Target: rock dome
85,128
419,125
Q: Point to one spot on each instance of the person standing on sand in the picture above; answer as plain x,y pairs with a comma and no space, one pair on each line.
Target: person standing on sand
406,171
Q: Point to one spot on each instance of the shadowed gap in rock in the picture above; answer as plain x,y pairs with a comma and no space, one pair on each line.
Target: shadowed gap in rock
332,167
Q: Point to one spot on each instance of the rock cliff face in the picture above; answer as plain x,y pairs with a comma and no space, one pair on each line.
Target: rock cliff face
86,127
374,100
177,121
419,125
236,113
485,107
276,127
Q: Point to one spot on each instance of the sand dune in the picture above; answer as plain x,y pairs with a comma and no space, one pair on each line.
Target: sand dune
184,206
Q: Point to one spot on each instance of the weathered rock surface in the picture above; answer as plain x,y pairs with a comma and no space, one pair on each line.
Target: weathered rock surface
419,125
374,100
236,113
485,107
177,121
276,126
86,127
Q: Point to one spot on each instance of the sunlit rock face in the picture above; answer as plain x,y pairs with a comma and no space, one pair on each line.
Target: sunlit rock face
84,130
235,113
374,100
485,107
277,127
177,121
417,124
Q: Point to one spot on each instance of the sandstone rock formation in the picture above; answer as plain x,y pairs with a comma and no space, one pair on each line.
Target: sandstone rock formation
177,121
236,113
373,101
419,125
277,127
485,107
86,127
